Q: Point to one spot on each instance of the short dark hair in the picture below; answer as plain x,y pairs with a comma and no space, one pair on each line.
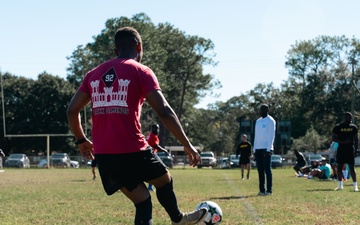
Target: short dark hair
347,114
127,37
155,128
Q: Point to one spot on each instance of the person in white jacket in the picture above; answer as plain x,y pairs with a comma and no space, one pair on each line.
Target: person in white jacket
263,148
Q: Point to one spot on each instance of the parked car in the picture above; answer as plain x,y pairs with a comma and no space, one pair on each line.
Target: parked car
357,161
18,160
167,159
276,161
60,160
313,157
74,164
252,163
208,160
234,161
225,163
43,164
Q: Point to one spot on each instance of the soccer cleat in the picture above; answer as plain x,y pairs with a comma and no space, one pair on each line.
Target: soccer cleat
261,193
193,217
94,177
356,189
339,188
268,193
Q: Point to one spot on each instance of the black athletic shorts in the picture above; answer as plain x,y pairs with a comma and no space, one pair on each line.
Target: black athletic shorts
345,156
128,170
244,160
93,163
300,165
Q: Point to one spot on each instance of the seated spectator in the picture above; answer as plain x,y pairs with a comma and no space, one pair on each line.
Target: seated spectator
323,172
304,171
300,161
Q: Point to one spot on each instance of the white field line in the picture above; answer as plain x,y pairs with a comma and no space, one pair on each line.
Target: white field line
250,209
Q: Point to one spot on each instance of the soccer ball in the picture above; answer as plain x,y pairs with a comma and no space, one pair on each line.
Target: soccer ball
214,215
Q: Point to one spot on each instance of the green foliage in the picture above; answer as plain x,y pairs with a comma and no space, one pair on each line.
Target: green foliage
311,141
35,107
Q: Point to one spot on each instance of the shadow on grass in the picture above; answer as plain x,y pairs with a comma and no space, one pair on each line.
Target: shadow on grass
321,189
235,197
78,180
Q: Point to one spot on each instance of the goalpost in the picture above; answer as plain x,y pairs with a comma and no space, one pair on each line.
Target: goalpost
27,135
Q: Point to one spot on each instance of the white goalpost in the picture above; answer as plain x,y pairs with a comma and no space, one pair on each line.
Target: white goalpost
27,135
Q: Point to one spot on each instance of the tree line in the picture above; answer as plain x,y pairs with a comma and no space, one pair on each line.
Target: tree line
319,88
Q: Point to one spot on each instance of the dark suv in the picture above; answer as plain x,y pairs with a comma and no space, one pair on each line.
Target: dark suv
60,160
167,159
18,160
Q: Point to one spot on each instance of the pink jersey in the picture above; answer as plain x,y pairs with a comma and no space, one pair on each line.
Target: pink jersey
118,88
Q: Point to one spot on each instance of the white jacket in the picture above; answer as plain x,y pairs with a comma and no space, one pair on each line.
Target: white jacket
264,133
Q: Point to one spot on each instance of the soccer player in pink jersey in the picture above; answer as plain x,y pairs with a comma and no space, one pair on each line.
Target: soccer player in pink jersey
117,89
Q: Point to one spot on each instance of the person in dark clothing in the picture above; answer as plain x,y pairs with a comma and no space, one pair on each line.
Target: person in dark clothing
346,135
244,149
300,162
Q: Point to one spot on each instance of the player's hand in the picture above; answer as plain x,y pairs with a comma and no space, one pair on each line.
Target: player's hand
193,154
86,149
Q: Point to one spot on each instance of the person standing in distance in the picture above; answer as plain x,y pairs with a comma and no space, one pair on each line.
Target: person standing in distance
153,140
117,90
244,149
2,156
263,148
346,135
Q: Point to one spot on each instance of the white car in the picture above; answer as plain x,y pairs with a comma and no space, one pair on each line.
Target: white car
43,164
208,160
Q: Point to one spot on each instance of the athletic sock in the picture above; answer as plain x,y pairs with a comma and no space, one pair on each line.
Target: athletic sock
345,174
167,199
355,184
340,183
143,213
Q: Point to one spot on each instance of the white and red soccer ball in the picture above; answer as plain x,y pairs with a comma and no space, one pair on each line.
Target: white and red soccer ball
214,215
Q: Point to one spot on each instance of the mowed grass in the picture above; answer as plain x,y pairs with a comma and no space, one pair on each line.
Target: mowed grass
70,196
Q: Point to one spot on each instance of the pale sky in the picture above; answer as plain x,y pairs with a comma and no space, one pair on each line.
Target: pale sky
251,38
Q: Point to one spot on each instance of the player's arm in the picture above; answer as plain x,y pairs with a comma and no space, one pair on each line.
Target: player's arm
335,138
170,120
79,100
356,143
160,149
237,150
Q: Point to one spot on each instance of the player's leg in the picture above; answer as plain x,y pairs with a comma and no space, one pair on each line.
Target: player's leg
339,176
242,170
141,198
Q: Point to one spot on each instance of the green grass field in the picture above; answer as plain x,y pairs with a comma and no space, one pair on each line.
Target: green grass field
70,196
